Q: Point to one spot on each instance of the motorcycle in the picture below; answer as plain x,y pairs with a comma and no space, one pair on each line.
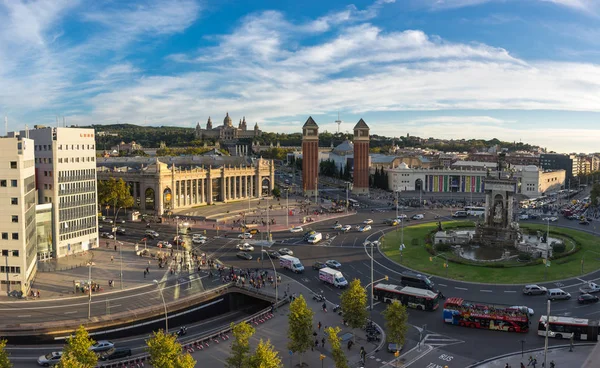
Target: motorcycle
371,338
182,331
318,297
337,308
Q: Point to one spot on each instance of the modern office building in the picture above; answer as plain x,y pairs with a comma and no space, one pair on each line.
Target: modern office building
65,170
17,214
557,161
310,157
361,158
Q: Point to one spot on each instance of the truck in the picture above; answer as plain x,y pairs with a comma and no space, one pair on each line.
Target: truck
291,263
332,277
315,238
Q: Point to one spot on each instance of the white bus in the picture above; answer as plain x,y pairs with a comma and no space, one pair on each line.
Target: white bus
475,211
421,299
567,327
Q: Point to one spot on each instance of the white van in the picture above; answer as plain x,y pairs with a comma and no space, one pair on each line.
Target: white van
558,294
315,238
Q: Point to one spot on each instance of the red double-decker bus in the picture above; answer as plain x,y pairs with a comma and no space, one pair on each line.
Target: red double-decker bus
458,311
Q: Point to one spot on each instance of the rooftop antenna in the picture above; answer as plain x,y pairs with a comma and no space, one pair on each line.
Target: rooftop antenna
338,122
6,125
26,132
64,123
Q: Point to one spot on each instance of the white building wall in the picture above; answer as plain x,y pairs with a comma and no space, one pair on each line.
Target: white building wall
17,214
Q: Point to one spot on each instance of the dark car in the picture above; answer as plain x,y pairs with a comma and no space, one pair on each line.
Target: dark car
117,353
533,216
244,255
318,265
587,298
584,222
121,231
273,254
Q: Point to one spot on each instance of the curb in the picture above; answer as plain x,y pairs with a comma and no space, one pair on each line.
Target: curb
477,364
471,282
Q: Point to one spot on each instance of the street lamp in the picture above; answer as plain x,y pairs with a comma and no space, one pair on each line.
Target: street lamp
287,207
164,305
547,330
90,264
177,233
348,187
121,261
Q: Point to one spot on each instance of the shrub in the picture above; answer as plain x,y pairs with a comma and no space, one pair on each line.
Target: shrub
525,257
443,247
559,247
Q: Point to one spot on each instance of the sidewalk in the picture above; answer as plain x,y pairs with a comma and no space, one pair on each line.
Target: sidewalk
276,330
55,277
560,355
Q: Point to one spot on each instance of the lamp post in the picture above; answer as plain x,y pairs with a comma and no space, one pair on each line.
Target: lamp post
348,184
547,248
121,262
90,263
287,207
177,233
546,337
372,278
164,305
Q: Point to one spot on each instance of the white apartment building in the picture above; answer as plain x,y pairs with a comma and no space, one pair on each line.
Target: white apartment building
17,215
65,164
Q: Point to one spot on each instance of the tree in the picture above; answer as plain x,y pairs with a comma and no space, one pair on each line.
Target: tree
166,352
354,304
346,175
595,194
396,322
337,353
240,347
276,192
77,351
300,326
265,356
4,361
114,193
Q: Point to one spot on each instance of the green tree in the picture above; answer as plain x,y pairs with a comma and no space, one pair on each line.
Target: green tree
300,326
595,194
77,351
396,322
276,192
240,347
337,353
166,352
115,193
346,175
265,356
4,361
354,304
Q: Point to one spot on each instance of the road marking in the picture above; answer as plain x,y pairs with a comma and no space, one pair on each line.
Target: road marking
442,284
485,291
71,312
459,288
25,315
114,306
510,291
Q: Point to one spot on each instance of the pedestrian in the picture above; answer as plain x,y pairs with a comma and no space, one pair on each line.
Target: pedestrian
115,247
522,365
506,365
530,361
319,325
534,362
316,343
323,342
147,270
144,273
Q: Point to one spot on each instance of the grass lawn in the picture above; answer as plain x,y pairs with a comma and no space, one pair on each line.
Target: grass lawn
416,257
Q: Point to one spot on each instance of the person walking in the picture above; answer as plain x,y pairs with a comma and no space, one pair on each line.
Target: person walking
319,326
323,342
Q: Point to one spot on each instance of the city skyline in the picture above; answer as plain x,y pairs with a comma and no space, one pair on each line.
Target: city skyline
513,70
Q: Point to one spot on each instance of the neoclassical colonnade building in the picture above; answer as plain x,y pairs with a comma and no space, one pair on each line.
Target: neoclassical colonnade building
163,184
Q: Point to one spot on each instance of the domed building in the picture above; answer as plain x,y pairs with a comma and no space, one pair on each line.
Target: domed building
227,131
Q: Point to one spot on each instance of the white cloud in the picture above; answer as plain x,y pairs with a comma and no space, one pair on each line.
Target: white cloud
458,120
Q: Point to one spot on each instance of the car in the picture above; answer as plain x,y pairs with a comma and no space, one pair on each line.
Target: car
102,345
198,241
401,217
338,227
121,231
587,298
394,222
524,309
49,359
346,228
107,221
534,290
245,236
246,247
332,263
117,353
164,244
418,216
296,229
553,219
318,265
178,240
199,236
308,234
107,235
285,252
244,255
273,254
362,229
524,217
368,222
584,222
533,216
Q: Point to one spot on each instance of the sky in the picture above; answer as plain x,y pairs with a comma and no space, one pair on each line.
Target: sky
516,70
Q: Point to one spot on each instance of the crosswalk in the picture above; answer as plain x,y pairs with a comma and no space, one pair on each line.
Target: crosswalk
437,340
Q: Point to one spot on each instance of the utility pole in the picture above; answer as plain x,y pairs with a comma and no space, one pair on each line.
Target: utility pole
546,338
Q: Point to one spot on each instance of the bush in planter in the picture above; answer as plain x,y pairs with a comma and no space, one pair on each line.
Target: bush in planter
443,247
558,247
524,256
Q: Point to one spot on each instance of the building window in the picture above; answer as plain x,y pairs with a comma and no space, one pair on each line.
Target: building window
3,183
13,183
14,201
15,236
60,160
13,164
4,236
50,186
45,173
15,253
45,186
15,218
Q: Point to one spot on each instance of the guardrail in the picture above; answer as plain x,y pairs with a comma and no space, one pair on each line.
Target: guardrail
198,343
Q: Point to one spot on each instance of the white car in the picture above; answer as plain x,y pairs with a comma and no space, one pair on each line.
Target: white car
338,227
362,229
524,309
107,235
553,219
198,241
401,217
346,228
164,244
297,229
246,247
245,236
49,359
102,345
368,222
199,236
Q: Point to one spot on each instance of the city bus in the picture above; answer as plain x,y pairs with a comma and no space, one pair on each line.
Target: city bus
460,312
474,211
353,203
567,327
421,299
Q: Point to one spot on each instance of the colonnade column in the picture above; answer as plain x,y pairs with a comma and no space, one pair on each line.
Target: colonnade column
235,187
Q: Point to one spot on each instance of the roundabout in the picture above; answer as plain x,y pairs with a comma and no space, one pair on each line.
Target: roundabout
579,257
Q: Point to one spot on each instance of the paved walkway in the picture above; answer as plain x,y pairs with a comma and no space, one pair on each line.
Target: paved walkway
276,329
55,278
561,357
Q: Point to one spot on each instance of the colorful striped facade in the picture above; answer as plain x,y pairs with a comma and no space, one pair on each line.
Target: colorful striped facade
454,183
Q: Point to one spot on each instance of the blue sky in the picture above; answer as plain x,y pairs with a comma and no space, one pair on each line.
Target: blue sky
515,70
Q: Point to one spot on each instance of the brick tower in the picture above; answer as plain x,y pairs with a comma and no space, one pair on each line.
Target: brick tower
361,158
310,157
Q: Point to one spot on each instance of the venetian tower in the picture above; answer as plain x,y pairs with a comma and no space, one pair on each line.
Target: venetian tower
310,157
361,158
